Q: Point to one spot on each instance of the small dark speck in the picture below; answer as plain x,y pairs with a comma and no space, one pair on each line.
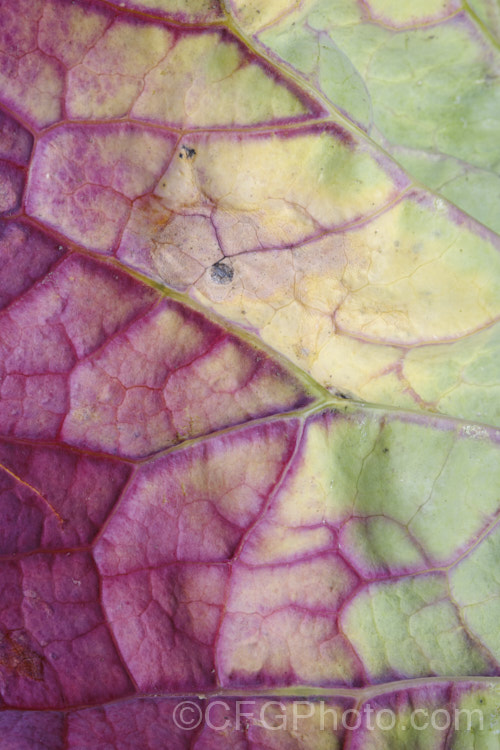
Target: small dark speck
221,273
385,450
186,152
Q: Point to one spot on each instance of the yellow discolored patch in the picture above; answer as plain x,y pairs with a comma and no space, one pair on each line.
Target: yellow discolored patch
415,275
321,488
43,78
110,77
397,13
317,180
254,14
315,725
272,542
206,80
394,311
283,642
190,10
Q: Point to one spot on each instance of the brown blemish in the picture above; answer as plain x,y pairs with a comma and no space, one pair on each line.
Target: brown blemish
17,658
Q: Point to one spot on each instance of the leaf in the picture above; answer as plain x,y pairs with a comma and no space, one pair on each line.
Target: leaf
422,81
249,300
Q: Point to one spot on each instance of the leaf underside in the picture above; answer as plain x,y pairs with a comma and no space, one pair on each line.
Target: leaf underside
249,380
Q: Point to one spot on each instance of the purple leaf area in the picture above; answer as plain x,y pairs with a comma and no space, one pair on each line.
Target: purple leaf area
253,723
15,151
88,375
16,143
249,456
56,649
27,255
53,498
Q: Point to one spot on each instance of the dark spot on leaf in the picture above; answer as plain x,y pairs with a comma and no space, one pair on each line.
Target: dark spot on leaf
339,394
221,273
385,450
186,152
